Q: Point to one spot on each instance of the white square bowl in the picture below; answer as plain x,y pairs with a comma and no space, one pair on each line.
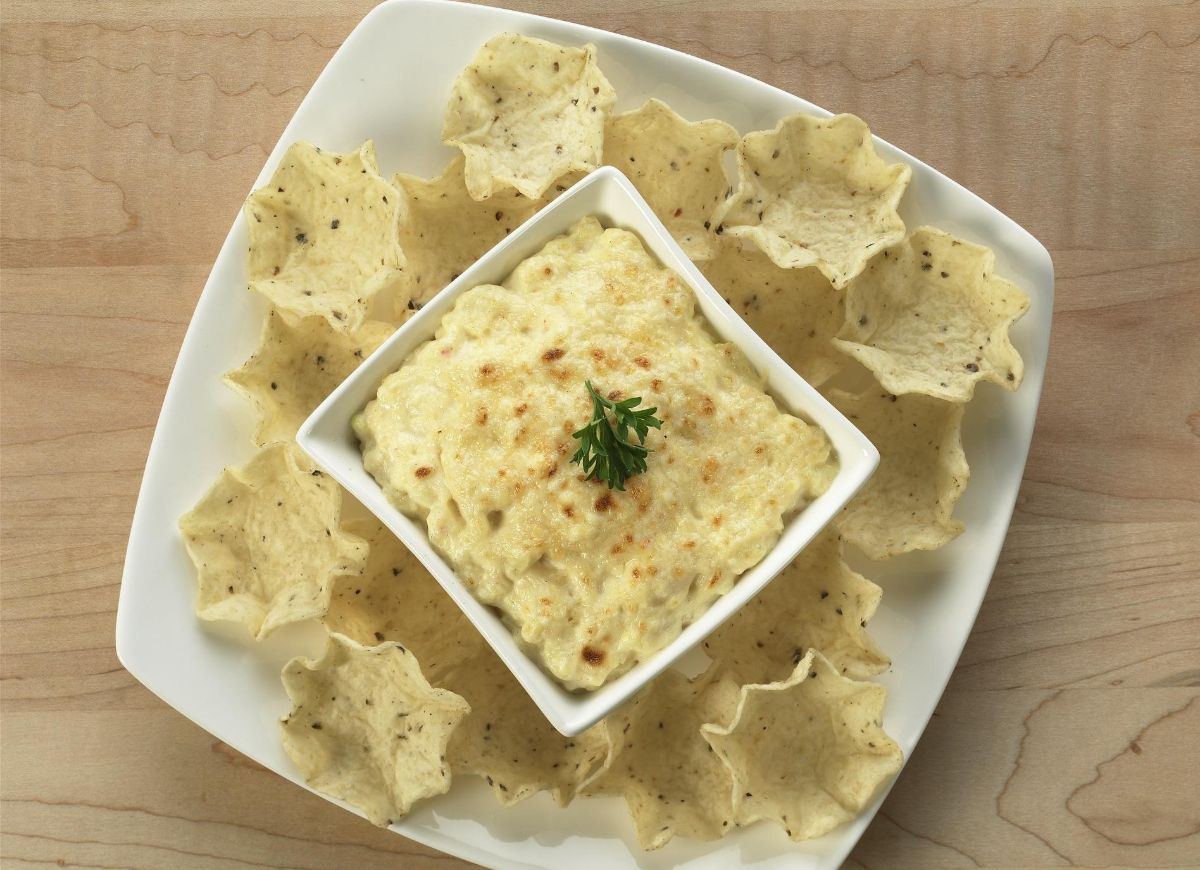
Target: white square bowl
608,195
389,81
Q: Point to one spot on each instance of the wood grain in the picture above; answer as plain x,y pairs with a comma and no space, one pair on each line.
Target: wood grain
131,132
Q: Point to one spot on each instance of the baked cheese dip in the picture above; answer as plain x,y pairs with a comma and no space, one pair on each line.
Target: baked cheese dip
474,436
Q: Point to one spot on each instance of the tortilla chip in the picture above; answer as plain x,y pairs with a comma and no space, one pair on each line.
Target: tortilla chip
907,504
817,602
323,235
266,542
676,165
796,311
673,784
808,752
525,112
813,192
396,599
507,740
296,366
366,727
928,316
443,230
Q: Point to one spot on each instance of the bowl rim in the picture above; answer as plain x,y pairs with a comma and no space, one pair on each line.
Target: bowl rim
323,434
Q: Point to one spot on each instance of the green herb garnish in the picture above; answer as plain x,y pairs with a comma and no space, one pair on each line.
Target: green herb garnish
608,454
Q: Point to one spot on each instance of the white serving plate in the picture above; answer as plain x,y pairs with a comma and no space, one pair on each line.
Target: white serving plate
389,82
327,436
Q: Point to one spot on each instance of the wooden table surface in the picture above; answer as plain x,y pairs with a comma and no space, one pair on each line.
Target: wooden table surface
1069,734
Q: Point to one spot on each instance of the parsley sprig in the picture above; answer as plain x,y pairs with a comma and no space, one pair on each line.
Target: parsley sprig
609,454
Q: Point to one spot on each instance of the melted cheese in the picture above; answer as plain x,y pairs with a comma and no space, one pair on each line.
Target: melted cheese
473,435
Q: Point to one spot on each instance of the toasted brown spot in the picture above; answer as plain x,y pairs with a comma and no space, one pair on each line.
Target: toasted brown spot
642,362
689,545
603,503
423,471
568,510
552,354
637,572
547,271
707,408
714,579
717,520
481,416
709,470
641,494
759,450
597,354
520,409
656,384
593,656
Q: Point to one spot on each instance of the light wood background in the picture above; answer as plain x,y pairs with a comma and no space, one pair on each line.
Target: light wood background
1070,734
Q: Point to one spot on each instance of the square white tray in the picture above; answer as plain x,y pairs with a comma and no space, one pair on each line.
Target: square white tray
389,82
328,438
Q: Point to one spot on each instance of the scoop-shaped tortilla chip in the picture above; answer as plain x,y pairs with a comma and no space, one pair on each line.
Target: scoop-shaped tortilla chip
267,543
813,192
323,235
676,165
673,784
296,366
907,504
507,740
525,112
808,752
929,316
366,727
443,230
796,311
817,602
396,599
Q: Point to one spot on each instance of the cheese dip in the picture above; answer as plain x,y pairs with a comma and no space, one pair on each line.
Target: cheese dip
473,435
